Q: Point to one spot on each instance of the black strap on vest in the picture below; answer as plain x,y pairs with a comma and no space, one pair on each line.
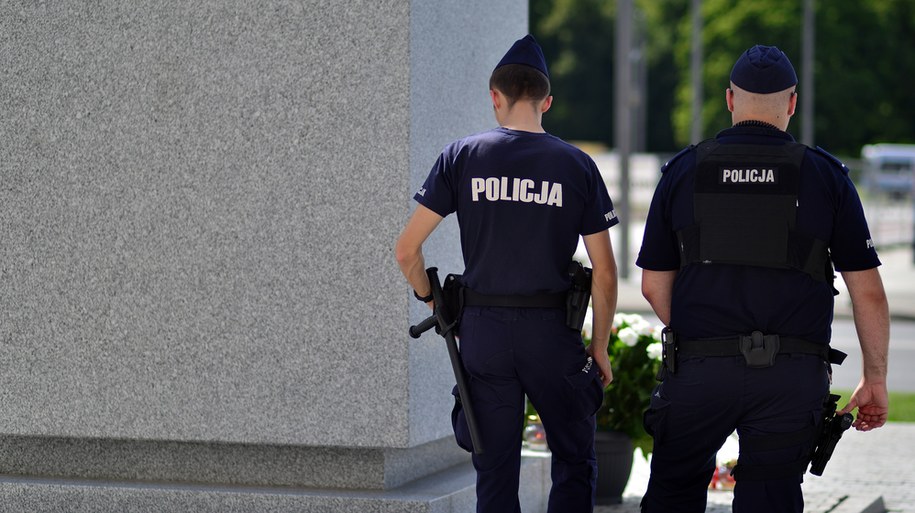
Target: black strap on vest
546,300
745,209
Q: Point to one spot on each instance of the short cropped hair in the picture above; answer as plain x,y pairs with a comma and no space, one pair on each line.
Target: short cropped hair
520,82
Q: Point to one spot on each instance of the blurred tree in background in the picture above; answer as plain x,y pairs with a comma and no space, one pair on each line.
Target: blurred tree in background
730,28
863,62
578,44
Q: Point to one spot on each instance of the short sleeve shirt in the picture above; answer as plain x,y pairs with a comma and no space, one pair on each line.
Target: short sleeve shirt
723,300
522,199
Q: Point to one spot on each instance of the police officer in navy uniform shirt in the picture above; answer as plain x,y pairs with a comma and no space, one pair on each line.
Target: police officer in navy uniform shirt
523,197
737,257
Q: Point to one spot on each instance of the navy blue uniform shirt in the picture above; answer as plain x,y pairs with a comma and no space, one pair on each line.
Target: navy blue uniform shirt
522,199
722,300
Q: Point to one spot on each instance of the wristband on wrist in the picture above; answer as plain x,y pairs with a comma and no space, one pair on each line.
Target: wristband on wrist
425,299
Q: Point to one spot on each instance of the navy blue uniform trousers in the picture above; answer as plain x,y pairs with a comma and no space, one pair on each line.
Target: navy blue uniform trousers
510,352
693,411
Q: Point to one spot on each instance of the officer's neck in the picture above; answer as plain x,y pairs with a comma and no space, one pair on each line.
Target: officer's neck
760,119
521,117
757,123
535,128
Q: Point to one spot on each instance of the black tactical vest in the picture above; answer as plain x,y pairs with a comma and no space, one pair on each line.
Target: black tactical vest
745,210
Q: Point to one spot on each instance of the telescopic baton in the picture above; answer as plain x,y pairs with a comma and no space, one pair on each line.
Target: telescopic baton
445,327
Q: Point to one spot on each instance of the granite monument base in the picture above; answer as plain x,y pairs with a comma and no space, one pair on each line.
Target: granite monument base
448,491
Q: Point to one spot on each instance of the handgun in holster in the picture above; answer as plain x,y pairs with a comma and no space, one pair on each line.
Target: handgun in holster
831,430
579,295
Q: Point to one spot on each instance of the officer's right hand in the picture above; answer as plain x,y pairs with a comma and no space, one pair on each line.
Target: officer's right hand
603,367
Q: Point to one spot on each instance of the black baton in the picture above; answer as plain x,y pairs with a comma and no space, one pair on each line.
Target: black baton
445,327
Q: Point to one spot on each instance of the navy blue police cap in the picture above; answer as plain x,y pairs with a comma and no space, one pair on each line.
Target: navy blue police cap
526,51
763,70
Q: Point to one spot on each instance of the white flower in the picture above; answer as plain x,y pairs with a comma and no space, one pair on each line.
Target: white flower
654,350
628,319
618,320
642,327
632,319
629,336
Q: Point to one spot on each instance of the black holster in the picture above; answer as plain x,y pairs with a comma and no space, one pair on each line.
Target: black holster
579,295
831,430
453,297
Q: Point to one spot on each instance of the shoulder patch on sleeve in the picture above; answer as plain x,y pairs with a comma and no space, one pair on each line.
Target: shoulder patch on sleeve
673,159
832,158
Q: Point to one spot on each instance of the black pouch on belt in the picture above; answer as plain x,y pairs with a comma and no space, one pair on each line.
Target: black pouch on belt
758,349
579,295
668,353
453,296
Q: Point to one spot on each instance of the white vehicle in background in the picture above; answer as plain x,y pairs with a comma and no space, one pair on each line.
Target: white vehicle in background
888,168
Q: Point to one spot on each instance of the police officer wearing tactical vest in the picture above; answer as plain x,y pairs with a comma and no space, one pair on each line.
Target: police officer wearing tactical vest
741,240
523,197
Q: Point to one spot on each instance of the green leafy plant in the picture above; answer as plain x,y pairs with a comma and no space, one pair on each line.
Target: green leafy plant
635,356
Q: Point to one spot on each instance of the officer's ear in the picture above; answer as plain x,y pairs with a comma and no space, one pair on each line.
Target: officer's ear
792,103
545,106
496,99
729,98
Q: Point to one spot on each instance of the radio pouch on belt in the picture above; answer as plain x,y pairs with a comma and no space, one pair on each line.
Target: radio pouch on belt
668,353
579,295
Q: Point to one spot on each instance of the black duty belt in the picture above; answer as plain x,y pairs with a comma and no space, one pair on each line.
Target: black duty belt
545,300
760,350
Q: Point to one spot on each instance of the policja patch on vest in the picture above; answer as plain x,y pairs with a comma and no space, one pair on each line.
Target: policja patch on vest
728,175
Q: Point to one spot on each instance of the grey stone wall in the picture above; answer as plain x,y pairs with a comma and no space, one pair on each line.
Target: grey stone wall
198,205
194,246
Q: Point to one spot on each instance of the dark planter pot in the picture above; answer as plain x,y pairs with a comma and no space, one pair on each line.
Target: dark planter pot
614,464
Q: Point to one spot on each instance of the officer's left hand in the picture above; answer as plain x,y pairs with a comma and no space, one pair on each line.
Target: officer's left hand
603,366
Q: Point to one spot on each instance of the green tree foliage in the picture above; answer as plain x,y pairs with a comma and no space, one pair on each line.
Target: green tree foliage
577,40
729,28
667,30
861,74
864,64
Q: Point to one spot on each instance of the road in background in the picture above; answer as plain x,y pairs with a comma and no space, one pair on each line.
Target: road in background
900,377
